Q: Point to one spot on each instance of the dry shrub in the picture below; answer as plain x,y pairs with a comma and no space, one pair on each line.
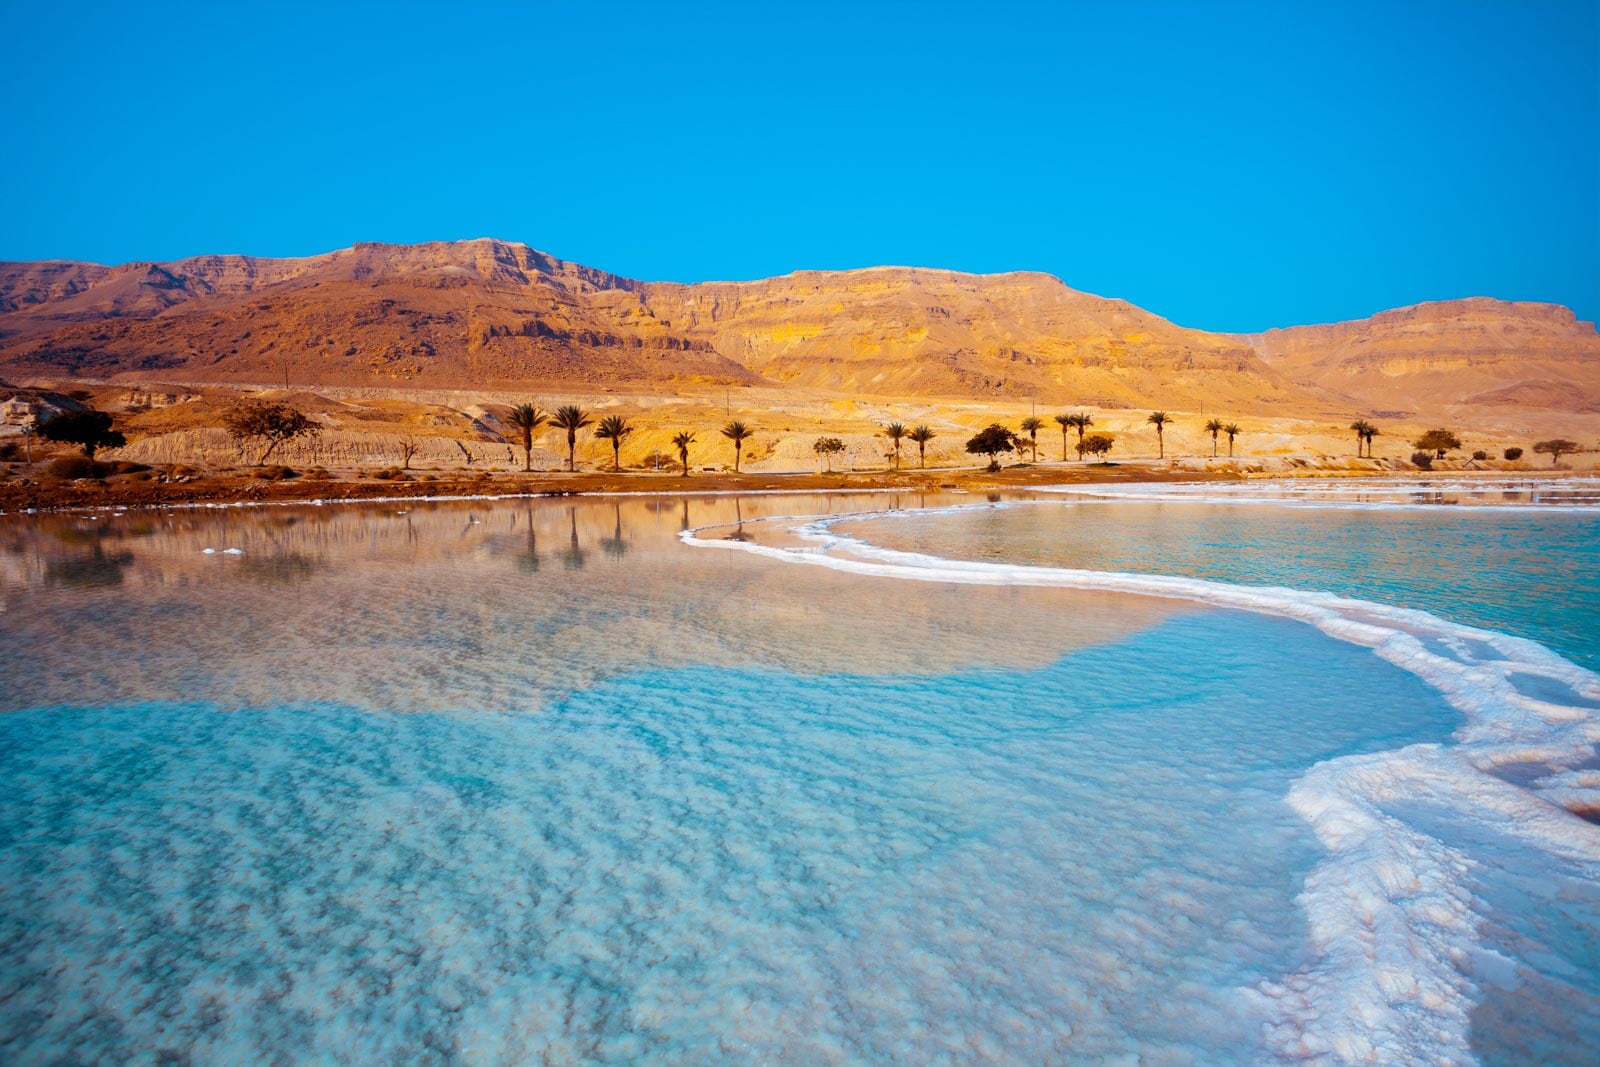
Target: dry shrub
69,467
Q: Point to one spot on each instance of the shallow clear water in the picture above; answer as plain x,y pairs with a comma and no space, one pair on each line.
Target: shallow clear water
537,781
1536,574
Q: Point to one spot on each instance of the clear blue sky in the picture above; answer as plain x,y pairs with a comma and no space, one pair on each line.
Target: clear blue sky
1230,166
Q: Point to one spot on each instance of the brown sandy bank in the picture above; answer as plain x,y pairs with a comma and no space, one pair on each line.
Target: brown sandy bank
160,488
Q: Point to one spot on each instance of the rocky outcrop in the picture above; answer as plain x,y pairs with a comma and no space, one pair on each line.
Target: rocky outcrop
1436,357
490,314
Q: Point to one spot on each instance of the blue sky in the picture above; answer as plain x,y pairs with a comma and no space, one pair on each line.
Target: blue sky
1229,166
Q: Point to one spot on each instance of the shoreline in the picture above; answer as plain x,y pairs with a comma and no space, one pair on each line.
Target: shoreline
242,487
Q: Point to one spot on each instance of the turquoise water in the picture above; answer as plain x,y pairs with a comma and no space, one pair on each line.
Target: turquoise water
541,782
1531,573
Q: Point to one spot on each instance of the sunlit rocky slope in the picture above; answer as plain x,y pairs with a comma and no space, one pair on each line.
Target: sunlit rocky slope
493,315
1475,353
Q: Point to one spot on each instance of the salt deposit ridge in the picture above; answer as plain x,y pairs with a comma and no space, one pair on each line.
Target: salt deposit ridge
1393,919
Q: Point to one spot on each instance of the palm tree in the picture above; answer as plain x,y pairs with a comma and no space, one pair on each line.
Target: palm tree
1082,420
1065,422
1232,430
738,433
922,435
1369,433
1159,420
681,441
1361,426
614,428
1030,426
526,418
570,418
1214,427
894,432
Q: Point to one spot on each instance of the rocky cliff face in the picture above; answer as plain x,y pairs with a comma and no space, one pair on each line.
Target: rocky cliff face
495,315
1451,354
491,314
476,313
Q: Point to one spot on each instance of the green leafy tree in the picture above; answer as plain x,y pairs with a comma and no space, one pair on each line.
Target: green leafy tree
1438,442
1098,444
992,441
526,418
273,423
1232,430
922,435
571,418
738,433
89,429
681,441
1555,448
1213,427
1160,420
895,431
1031,426
614,428
826,448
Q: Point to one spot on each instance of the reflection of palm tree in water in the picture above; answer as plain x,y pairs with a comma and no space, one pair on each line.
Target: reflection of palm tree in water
685,525
738,534
529,560
573,558
98,568
614,545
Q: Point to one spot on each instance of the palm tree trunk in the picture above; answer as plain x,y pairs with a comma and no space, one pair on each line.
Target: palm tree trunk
922,456
737,448
572,448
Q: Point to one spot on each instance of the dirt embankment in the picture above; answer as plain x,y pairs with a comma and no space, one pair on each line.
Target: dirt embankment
21,494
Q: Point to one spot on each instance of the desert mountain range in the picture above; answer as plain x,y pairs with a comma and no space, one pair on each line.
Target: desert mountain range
488,314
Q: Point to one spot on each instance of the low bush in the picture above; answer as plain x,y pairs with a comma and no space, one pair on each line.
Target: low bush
274,473
123,466
69,467
1480,454
318,474
1423,460
1513,454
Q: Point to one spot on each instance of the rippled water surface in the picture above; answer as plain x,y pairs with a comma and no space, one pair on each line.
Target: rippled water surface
1533,572
540,782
